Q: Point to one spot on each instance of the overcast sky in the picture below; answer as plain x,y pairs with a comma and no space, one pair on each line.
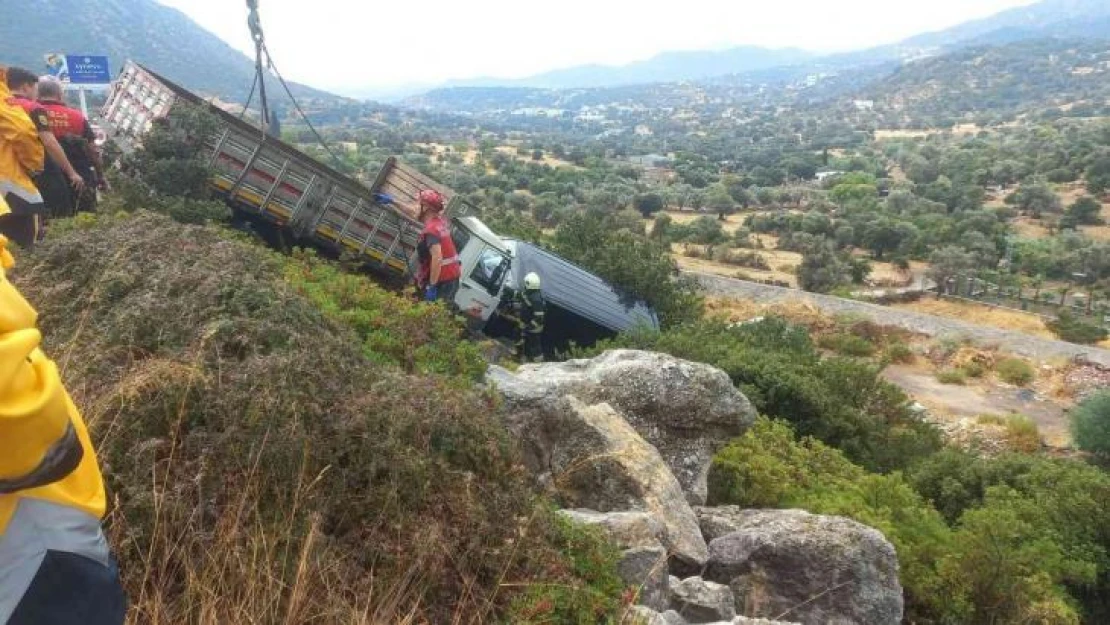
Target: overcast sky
350,44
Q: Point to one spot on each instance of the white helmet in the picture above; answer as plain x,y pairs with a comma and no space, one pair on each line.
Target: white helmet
532,281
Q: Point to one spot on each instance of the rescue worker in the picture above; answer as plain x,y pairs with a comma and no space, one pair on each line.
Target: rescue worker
55,564
21,156
528,313
75,134
440,267
59,181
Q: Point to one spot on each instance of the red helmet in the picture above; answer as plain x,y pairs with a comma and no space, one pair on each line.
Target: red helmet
432,199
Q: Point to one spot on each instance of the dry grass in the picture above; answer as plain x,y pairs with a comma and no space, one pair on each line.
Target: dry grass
782,264
979,314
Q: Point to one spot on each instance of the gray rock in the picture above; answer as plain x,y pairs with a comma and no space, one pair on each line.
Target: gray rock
811,569
641,615
699,601
590,457
687,410
674,618
626,530
645,568
744,620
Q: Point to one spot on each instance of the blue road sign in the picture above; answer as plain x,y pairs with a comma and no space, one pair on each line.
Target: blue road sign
88,70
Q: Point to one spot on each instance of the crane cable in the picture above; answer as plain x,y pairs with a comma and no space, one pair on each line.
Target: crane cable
254,22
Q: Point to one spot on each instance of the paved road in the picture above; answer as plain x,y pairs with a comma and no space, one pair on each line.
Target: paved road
1013,342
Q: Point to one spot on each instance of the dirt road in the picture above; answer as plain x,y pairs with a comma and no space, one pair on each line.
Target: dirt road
1033,347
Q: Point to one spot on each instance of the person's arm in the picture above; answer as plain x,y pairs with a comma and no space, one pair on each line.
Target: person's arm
40,444
436,265
58,155
94,156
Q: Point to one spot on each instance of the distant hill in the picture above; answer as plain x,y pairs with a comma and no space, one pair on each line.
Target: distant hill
1066,19
665,67
143,30
1000,81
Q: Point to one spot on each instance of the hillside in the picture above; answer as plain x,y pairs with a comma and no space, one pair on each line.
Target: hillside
142,30
1000,80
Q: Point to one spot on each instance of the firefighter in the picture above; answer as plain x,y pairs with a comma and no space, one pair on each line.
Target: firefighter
74,133
528,314
55,564
440,267
21,157
59,182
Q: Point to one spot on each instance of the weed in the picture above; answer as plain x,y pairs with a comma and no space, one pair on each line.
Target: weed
952,376
1015,371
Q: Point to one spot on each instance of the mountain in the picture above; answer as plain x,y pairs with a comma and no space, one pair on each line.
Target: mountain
160,37
664,67
1066,19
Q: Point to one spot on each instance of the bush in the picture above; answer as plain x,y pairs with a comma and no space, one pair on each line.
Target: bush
1090,424
1022,433
1015,371
847,345
899,353
974,369
952,376
1073,330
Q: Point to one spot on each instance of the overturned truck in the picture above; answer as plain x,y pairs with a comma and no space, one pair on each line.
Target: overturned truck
268,181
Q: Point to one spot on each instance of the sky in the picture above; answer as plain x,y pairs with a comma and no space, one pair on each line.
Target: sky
352,45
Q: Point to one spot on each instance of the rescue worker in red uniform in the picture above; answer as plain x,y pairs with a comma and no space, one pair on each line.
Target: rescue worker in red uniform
75,134
440,267
59,180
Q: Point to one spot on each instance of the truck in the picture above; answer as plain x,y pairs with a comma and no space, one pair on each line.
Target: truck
268,181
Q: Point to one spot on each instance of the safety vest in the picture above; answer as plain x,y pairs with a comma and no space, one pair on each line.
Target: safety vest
21,154
451,265
45,450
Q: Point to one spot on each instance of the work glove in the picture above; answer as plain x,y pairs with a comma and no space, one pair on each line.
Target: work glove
430,293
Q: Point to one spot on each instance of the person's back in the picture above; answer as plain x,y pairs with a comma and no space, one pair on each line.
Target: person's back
55,564
75,134
21,157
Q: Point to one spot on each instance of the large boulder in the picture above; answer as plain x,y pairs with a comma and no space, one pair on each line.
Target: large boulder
687,410
818,570
590,457
626,530
645,569
700,601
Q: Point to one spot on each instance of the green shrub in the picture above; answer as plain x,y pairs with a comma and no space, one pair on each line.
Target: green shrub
1074,330
899,353
1090,424
952,376
974,370
1022,433
1015,371
842,402
847,345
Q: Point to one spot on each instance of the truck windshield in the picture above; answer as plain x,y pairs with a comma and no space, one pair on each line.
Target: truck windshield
490,270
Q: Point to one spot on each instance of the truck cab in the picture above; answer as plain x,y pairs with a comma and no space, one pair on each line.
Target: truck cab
486,262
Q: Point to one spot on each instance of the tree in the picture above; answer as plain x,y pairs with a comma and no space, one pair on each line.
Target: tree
719,199
660,229
706,231
519,201
949,263
1098,176
1036,199
537,154
822,270
884,235
1086,211
1090,424
648,203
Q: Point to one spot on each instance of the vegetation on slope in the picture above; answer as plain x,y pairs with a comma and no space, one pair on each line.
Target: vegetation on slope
262,467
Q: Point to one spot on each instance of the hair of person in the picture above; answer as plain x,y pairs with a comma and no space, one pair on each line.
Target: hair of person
50,88
19,78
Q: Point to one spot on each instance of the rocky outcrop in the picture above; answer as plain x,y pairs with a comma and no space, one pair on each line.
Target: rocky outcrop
592,458
646,616
699,601
686,410
812,569
645,569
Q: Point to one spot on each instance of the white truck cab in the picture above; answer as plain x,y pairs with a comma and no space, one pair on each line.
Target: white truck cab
486,262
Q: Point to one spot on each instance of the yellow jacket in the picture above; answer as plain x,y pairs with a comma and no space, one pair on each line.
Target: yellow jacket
45,450
21,151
